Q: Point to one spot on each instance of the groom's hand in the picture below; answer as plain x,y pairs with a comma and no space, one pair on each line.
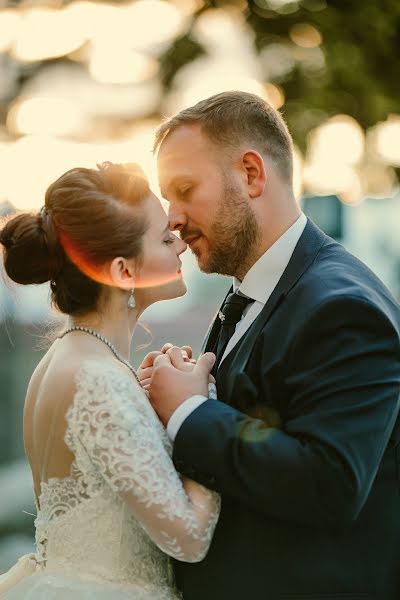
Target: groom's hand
171,385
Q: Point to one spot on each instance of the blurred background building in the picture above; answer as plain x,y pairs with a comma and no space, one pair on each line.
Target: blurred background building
85,81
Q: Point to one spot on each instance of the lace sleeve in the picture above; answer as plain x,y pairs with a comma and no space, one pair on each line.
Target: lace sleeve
123,438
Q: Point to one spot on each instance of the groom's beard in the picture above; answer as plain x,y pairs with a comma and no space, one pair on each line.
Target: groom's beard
233,236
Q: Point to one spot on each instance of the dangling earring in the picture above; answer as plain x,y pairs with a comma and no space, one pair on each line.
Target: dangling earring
131,299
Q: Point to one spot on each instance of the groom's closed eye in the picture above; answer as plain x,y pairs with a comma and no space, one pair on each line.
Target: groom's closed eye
184,193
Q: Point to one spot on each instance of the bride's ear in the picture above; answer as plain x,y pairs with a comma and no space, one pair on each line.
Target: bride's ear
122,273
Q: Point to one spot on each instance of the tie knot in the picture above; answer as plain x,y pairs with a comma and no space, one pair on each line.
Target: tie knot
233,308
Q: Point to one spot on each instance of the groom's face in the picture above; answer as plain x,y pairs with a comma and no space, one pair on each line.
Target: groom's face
206,202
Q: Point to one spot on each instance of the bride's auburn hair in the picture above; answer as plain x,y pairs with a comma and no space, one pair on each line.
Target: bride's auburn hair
90,216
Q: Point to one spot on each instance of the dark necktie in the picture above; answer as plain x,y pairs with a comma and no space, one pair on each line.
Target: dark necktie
230,315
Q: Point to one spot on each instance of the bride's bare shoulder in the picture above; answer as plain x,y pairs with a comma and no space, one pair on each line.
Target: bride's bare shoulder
65,368
56,367
52,380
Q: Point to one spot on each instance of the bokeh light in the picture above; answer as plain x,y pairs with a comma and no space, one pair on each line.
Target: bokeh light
45,116
340,139
305,35
275,95
120,64
9,23
335,149
388,140
46,33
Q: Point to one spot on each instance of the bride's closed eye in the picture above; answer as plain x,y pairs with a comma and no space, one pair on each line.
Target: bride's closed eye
169,240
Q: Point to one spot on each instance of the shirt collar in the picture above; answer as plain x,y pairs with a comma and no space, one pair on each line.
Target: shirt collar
266,272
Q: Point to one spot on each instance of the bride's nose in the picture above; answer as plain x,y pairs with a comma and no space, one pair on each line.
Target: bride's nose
180,245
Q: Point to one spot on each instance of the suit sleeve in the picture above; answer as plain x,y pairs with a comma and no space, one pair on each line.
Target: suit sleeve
342,380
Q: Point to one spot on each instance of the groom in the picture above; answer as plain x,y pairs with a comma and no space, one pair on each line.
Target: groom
303,440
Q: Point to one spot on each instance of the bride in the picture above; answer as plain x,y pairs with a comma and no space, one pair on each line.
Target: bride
111,509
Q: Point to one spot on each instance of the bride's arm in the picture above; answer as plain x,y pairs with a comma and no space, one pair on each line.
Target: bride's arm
113,420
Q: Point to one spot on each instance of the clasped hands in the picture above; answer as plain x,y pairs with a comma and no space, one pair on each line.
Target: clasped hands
171,376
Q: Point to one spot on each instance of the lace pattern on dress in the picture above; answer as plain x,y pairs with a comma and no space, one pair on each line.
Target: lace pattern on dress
58,497
114,429
123,497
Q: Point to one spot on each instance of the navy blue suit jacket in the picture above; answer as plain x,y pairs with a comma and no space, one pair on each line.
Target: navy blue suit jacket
303,441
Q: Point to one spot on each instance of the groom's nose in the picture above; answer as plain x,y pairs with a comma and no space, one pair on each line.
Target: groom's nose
177,218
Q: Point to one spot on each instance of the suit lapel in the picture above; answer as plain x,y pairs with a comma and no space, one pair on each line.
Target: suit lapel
305,252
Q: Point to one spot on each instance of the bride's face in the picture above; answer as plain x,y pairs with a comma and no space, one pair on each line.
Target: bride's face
158,274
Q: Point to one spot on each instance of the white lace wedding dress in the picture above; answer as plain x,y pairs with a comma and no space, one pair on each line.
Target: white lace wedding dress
107,531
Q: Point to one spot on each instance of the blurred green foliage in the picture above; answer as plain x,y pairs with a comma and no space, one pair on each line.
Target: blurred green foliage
360,45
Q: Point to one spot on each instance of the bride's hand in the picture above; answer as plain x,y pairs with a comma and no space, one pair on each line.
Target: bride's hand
145,370
178,359
187,352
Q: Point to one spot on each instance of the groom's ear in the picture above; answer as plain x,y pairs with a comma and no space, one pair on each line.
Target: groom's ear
254,169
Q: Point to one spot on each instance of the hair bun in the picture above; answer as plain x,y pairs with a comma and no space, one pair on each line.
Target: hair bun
28,257
7,242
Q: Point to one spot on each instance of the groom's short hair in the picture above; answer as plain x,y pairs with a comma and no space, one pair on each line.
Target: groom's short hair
231,119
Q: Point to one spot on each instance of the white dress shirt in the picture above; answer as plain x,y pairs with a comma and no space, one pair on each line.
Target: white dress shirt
258,284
